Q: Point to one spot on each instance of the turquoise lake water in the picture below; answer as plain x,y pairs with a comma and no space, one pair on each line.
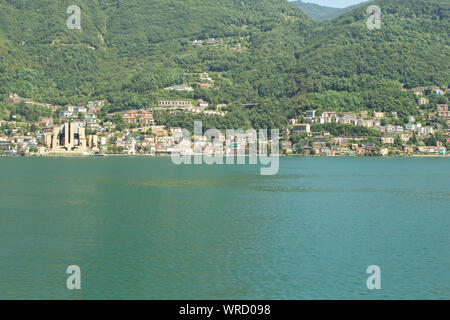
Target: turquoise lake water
143,228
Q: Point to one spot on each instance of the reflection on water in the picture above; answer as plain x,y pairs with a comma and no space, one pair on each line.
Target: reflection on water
144,228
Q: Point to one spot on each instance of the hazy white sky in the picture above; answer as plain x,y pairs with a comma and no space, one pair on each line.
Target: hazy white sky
335,3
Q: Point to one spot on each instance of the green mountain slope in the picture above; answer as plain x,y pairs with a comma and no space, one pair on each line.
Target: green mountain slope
265,51
131,46
356,67
323,13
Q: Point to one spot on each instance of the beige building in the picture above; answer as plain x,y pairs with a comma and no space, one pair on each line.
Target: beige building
379,115
423,101
70,137
442,111
175,104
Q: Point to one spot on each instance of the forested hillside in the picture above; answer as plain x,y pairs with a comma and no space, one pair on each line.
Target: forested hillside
323,13
351,67
265,52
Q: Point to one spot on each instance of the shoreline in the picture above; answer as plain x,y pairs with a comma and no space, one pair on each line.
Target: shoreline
78,155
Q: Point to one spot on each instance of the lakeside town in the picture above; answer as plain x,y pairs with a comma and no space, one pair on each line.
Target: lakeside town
83,130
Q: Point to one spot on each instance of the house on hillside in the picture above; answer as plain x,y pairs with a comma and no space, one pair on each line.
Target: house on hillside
180,87
379,115
442,111
302,128
310,115
202,104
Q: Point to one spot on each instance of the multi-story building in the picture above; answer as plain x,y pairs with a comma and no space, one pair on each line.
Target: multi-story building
379,115
138,116
424,101
302,127
442,111
310,115
174,104
348,118
70,137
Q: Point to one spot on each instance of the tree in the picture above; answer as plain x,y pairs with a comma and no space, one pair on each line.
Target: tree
431,141
398,142
118,121
413,139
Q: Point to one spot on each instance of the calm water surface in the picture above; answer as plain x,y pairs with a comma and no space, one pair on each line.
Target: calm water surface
142,228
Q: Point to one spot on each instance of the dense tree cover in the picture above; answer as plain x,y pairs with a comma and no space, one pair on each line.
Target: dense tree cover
346,130
128,51
22,111
323,13
411,46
